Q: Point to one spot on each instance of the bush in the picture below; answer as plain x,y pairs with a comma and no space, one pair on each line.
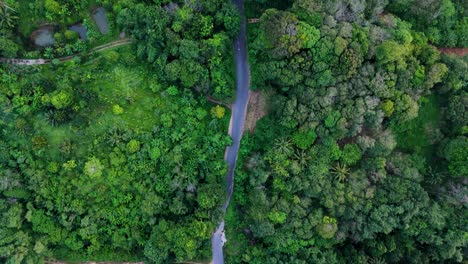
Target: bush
71,36
93,167
218,112
61,99
133,146
351,154
304,140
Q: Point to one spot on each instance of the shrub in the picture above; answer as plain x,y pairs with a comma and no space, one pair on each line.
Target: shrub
351,154
304,140
93,167
218,111
133,146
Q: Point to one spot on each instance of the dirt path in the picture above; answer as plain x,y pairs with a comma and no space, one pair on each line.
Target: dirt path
106,46
211,99
457,51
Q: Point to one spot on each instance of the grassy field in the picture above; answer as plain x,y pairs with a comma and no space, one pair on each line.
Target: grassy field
421,133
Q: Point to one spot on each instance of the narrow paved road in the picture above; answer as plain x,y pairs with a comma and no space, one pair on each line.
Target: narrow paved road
236,126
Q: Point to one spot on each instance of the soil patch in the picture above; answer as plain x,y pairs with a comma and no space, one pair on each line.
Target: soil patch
256,109
457,51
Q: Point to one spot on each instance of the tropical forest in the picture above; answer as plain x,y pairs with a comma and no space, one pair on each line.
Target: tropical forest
233,131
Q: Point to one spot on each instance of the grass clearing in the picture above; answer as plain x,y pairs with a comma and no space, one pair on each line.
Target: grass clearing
421,133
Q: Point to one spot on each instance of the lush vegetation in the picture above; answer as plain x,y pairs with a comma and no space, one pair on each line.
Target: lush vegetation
363,156
116,155
445,23
21,20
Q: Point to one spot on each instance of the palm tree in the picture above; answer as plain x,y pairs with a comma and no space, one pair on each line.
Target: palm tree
4,5
341,172
302,158
283,146
6,15
376,260
434,177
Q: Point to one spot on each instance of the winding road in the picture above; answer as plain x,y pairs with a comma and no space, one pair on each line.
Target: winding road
236,125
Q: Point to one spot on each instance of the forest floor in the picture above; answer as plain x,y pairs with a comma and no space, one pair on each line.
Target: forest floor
458,51
257,109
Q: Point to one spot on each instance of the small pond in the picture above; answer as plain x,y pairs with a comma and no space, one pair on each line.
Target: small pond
80,29
99,16
44,37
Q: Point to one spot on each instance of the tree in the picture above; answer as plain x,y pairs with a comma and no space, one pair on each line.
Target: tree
341,172
7,16
283,146
61,99
133,146
387,107
281,33
8,48
217,111
117,109
304,140
390,51
456,152
351,154
93,167
327,228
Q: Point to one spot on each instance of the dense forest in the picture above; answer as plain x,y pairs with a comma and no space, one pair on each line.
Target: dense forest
363,157
116,153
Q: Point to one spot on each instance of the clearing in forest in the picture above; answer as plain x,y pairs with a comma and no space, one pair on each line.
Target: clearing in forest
257,109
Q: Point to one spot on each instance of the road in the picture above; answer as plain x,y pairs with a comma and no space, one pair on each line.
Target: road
29,62
236,125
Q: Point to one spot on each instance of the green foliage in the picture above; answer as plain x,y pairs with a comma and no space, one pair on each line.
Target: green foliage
133,146
332,118
137,129
217,111
93,167
157,159
387,107
327,228
351,154
117,109
373,85
69,165
456,152
53,7
304,140
8,48
390,51
443,21
309,35
155,153
277,217
61,99
421,133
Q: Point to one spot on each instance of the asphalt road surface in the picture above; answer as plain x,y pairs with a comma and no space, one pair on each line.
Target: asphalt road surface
236,126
